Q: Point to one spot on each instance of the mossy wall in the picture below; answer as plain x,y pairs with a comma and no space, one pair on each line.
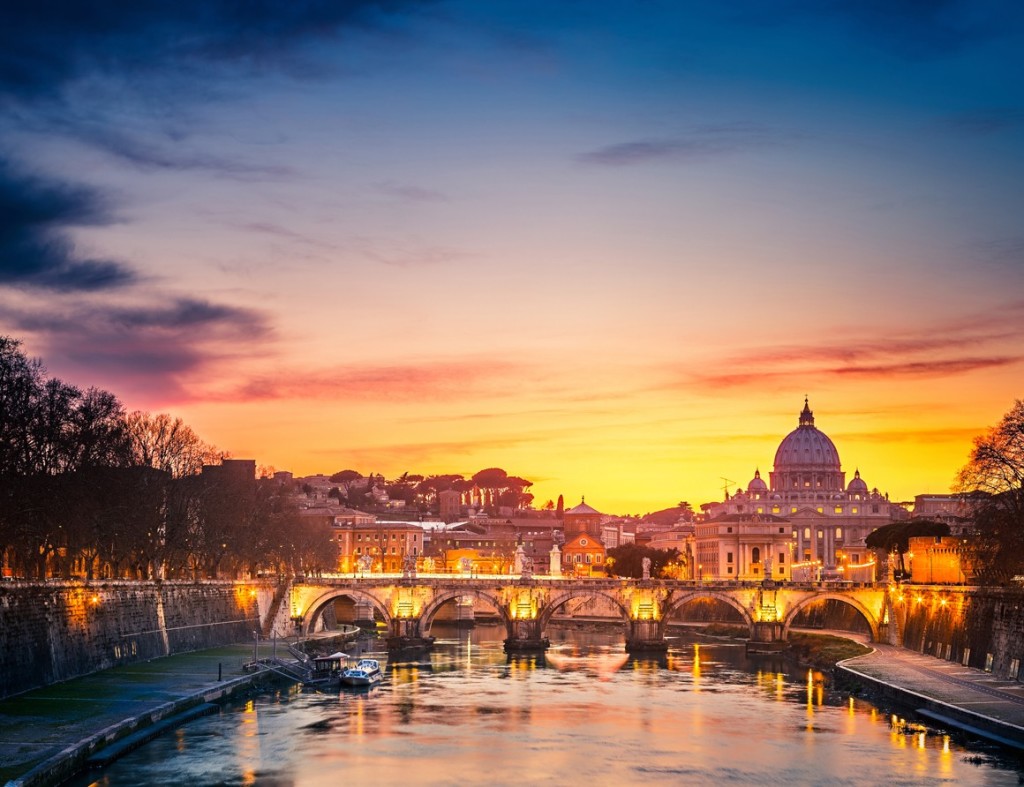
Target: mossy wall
53,631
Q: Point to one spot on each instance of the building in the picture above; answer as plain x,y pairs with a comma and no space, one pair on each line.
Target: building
742,546
953,510
449,504
583,555
828,518
376,547
581,519
937,560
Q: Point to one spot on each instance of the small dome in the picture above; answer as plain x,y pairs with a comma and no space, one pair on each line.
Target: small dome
757,484
857,484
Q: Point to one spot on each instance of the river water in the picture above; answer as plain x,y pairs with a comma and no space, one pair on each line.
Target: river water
466,714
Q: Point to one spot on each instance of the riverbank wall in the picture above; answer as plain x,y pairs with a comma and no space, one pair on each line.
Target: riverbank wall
54,631
978,627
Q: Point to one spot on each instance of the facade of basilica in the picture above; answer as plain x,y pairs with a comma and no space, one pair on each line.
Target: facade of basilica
811,522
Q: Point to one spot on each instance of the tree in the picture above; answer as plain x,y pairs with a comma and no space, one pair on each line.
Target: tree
993,480
895,537
344,476
627,560
166,443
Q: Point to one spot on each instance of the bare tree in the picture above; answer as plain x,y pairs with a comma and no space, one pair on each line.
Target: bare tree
993,479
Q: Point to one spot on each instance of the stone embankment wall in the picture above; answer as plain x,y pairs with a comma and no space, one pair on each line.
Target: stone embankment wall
982,628
53,631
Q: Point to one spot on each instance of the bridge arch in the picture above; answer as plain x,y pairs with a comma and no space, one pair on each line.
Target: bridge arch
695,595
852,601
316,607
558,599
431,609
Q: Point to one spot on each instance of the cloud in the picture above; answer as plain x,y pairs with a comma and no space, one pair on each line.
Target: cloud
406,253
912,29
961,350
395,382
700,143
35,251
45,46
411,193
150,350
152,155
981,122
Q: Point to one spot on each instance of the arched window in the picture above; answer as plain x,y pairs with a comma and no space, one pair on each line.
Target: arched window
755,555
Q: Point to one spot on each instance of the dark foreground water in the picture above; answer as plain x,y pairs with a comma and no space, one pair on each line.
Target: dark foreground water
465,714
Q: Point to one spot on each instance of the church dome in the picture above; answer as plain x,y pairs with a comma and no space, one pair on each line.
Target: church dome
807,448
757,484
857,484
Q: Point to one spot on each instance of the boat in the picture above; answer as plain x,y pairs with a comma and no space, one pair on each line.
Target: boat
366,672
327,671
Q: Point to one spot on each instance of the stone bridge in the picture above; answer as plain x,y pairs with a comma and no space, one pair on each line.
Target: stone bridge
408,605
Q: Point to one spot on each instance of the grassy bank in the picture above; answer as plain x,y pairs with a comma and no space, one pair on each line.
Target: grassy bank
822,651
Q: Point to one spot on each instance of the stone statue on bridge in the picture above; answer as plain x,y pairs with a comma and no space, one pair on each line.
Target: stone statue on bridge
646,563
409,566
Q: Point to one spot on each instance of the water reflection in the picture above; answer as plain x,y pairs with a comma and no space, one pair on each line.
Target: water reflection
586,712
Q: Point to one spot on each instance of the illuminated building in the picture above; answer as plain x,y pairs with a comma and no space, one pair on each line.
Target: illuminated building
828,518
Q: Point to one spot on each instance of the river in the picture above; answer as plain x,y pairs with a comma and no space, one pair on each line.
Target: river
466,714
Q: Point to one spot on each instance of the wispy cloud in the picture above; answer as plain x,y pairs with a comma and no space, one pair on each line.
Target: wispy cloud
417,381
959,350
411,193
700,143
979,122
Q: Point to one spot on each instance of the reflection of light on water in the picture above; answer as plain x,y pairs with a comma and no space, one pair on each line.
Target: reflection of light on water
696,666
604,665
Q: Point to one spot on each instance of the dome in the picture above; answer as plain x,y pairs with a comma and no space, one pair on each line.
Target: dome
757,485
857,484
806,447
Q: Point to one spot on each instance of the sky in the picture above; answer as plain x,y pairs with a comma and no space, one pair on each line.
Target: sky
606,246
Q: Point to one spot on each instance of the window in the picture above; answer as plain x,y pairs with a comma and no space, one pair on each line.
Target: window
597,558
576,558
807,532
792,509
782,530
728,570
776,509
589,558
728,530
821,510
728,557
760,509
821,534
755,555
782,558
839,532
838,509
359,550
854,509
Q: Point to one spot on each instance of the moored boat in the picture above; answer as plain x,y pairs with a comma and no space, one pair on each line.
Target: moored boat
366,672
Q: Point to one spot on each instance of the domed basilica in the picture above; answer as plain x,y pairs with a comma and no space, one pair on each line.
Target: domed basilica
823,520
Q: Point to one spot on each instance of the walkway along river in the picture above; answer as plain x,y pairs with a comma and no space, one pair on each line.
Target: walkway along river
588,713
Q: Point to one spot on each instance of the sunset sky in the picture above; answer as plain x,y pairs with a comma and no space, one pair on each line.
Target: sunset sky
607,246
